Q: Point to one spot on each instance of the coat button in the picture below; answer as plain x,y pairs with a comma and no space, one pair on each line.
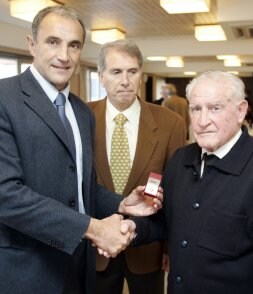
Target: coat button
196,205
72,203
184,243
178,279
195,174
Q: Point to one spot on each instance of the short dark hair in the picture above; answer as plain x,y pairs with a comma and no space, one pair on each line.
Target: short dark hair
60,10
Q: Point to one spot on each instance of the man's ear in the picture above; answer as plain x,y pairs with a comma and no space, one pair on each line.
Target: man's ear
101,80
242,108
31,45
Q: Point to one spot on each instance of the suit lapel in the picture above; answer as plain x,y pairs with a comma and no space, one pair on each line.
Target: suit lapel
146,143
38,101
102,168
85,129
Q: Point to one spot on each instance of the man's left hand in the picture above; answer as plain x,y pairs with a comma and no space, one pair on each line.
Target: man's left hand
139,204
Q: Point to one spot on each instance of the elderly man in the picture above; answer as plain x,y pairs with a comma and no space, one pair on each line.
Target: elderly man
209,203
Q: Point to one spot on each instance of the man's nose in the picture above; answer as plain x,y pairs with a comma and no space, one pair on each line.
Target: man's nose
125,79
63,53
204,117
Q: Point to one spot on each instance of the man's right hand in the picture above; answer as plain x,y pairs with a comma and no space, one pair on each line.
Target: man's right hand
110,235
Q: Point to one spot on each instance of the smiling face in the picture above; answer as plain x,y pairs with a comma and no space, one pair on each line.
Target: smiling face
57,49
216,116
121,78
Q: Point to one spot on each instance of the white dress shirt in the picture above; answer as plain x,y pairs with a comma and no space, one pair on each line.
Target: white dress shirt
131,126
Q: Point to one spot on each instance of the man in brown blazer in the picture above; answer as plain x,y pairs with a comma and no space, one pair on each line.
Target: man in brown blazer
154,133
177,104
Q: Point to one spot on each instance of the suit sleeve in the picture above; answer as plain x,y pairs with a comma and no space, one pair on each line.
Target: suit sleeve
150,229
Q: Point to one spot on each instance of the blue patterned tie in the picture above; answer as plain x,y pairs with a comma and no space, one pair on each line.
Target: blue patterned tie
60,105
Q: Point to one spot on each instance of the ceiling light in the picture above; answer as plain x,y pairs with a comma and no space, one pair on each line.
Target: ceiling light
234,72
106,35
209,33
27,9
175,61
185,6
190,73
156,58
232,62
222,57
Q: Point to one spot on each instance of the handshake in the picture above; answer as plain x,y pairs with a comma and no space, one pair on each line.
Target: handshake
113,234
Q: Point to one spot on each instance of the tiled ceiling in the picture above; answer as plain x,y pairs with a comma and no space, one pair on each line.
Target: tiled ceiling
139,18
158,33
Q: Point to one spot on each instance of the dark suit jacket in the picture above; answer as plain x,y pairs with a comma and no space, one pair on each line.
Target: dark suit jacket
40,227
210,221
161,132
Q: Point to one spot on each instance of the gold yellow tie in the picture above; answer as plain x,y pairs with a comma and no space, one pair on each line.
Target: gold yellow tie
120,155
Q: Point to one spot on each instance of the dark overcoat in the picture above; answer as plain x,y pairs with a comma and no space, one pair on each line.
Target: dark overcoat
210,221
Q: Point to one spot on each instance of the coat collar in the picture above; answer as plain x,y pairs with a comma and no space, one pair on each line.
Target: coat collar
146,143
233,163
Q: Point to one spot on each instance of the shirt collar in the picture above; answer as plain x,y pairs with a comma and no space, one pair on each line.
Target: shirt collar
223,150
49,89
129,113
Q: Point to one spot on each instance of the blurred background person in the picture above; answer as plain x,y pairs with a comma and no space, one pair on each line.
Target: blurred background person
164,95
177,104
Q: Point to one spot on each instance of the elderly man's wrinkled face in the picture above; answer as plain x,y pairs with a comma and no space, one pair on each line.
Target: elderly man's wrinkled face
216,117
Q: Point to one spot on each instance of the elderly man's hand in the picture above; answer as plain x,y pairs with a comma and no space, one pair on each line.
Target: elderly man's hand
138,204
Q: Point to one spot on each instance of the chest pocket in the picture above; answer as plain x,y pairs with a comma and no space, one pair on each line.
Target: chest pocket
224,233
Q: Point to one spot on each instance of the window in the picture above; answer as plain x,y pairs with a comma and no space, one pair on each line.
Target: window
11,65
95,90
24,66
8,67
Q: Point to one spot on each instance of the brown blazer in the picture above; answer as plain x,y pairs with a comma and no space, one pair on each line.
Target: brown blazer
161,132
179,105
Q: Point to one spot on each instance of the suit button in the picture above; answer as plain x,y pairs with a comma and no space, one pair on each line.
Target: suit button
72,168
195,174
184,244
72,203
178,279
196,206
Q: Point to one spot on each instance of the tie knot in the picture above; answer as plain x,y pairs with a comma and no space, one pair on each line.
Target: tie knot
209,158
60,99
120,119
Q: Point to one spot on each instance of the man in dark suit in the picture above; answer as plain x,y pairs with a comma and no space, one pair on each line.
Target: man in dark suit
208,199
49,200
154,133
